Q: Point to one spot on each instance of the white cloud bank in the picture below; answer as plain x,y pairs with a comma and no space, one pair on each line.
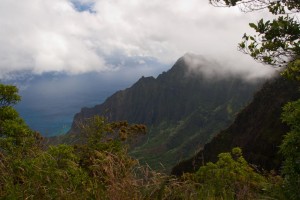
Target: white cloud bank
39,36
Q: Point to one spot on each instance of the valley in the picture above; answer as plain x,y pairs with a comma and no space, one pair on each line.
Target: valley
183,111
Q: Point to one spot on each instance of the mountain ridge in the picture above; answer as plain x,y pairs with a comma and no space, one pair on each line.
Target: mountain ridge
183,111
257,129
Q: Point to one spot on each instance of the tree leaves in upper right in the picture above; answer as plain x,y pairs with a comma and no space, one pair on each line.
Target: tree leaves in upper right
277,43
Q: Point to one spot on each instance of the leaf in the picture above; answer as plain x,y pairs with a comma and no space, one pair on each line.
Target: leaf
252,25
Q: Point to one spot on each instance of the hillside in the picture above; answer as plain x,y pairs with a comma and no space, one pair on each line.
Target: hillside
258,130
182,110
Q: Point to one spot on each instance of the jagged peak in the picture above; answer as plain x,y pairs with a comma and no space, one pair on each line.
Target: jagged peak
195,64
148,78
144,80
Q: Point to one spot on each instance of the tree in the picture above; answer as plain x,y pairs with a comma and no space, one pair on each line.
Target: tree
231,177
98,168
17,141
274,6
277,43
15,135
8,95
290,148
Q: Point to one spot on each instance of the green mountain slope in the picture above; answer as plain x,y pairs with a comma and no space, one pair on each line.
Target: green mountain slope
183,111
258,130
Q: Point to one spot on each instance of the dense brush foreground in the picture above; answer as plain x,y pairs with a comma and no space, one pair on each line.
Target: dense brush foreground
100,167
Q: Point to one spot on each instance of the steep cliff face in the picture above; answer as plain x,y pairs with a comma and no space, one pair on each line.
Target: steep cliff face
172,96
182,111
257,129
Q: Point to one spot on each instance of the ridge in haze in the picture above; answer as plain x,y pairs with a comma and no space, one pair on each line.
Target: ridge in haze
182,110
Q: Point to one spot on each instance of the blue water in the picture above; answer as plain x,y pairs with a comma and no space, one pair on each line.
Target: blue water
54,116
50,101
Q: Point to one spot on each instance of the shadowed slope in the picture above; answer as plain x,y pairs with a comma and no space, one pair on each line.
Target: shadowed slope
182,110
258,130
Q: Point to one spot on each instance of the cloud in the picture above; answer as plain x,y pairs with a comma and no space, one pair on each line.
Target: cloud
213,69
80,36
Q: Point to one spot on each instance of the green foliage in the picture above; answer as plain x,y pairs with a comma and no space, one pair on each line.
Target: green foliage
290,148
278,44
97,130
231,177
53,174
168,143
100,167
292,71
277,41
182,113
15,136
8,95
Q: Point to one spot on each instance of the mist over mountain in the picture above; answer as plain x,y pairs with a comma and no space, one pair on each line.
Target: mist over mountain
183,110
81,36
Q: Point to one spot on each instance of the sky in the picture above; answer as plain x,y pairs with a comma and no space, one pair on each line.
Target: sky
82,36
75,53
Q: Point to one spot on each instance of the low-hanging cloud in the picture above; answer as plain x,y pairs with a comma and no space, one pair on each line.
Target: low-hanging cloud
80,36
215,69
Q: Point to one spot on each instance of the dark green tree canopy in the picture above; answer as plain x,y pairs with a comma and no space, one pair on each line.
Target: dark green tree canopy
8,95
16,138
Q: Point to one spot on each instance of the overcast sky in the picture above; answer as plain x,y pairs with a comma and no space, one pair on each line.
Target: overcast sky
51,49
80,36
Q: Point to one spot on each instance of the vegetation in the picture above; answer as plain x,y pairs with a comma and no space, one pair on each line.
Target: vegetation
290,149
182,112
15,135
277,43
101,168
231,177
257,129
